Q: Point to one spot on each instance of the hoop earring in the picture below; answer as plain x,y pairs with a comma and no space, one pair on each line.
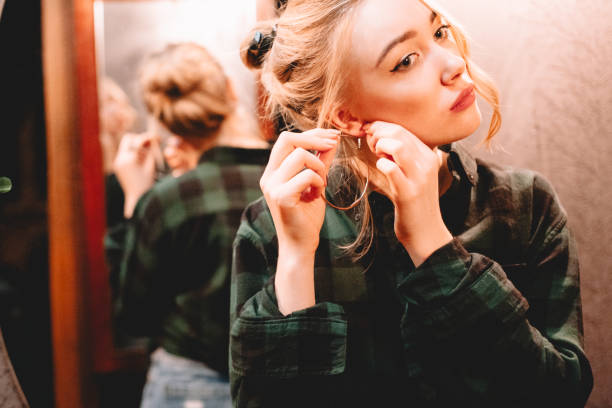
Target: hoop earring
354,204
361,196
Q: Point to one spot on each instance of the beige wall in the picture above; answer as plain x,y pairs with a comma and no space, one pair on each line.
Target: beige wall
553,63
126,31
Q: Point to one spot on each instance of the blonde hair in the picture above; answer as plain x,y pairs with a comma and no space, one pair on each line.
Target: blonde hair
111,92
303,74
117,116
185,88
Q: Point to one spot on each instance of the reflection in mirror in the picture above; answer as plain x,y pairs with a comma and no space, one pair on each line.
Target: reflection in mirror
127,32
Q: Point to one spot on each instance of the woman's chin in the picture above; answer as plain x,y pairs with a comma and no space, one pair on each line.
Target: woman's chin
468,124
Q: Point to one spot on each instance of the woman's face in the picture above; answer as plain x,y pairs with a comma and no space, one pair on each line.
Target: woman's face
406,69
179,155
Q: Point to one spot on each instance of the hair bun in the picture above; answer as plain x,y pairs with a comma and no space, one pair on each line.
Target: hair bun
185,88
259,46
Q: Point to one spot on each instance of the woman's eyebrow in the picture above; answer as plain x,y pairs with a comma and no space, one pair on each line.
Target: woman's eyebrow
400,39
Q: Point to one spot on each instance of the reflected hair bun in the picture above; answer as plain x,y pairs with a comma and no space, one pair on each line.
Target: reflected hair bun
186,89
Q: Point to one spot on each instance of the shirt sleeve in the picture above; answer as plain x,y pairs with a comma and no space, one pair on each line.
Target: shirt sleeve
268,349
465,317
114,243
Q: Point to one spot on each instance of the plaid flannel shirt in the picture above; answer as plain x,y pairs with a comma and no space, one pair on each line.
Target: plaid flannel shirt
173,279
492,319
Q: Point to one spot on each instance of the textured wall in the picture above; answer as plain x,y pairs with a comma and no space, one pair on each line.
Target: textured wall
553,63
126,31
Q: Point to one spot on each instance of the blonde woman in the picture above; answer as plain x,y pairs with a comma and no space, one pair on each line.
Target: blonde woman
172,283
117,117
385,266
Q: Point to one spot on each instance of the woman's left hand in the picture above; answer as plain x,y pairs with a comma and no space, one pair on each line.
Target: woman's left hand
411,169
134,167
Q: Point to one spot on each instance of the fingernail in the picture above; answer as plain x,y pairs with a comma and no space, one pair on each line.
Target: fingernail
332,133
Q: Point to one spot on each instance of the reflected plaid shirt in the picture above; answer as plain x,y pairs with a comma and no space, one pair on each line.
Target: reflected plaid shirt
492,319
172,282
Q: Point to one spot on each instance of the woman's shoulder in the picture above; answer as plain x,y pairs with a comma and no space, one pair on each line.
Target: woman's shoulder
503,186
496,175
191,194
525,191
256,223
170,189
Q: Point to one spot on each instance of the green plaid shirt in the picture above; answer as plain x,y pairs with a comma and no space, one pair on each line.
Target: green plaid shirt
173,279
493,319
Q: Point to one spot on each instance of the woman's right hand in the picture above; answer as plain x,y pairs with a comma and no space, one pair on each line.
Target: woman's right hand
292,184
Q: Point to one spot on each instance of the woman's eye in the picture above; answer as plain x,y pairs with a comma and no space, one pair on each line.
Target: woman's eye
442,32
406,61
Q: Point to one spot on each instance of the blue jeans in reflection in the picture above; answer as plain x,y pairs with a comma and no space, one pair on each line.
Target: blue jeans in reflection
177,382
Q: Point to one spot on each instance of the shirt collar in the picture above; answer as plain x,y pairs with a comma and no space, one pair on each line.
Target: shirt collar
230,155
462,164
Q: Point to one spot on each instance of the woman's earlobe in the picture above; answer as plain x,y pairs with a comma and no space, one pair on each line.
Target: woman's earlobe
348,124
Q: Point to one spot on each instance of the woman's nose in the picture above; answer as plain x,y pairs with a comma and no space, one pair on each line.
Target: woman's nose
453,67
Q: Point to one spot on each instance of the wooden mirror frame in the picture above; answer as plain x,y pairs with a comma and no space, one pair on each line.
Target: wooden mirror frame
79,286
82,332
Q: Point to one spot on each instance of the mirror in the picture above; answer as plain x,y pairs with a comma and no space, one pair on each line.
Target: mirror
125,33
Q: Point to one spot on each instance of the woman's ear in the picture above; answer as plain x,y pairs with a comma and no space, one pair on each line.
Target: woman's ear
344,120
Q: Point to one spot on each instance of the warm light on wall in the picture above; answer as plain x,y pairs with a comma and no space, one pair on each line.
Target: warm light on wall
127,31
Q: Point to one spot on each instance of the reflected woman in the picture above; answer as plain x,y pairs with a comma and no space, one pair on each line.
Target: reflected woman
117,117
450,282
173,281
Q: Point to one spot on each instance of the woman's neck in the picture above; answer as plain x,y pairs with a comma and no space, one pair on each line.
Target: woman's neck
445,177
237,130
240,130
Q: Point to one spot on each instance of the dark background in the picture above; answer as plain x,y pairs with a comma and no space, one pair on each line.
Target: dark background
24,280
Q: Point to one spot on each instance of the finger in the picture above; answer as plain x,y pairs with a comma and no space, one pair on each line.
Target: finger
380,129
375,131
128,142
393,173
296,162
327,157
292,192
314,139
400,152
375,126
145,140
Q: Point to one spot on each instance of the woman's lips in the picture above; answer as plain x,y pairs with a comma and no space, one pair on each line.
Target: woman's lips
465,99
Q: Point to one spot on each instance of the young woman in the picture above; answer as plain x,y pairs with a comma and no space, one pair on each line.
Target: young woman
172,280
449,282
